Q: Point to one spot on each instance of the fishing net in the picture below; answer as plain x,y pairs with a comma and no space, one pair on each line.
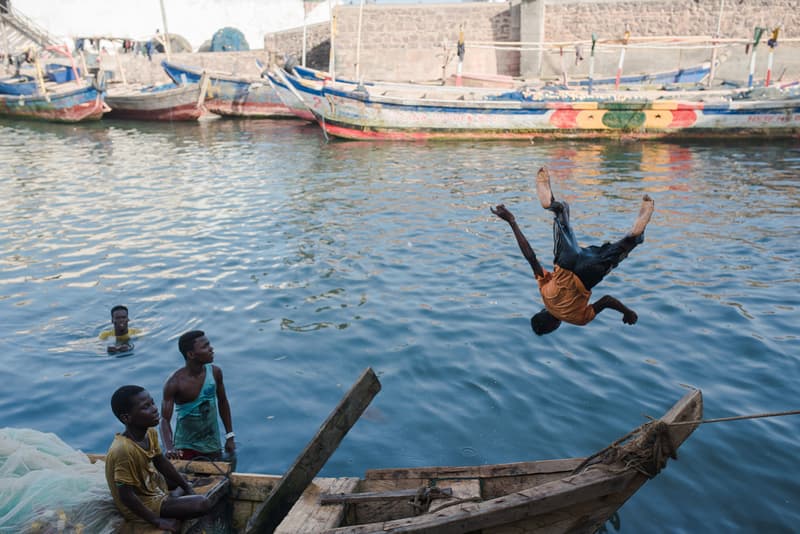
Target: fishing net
47,486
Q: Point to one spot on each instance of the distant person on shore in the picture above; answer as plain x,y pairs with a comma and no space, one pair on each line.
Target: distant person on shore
196,392
567,290
145,486
122,334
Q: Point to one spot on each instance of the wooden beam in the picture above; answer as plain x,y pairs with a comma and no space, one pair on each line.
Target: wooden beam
272,511
478,471
370,496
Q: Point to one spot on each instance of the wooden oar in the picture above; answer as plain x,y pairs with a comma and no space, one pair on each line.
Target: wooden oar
273,510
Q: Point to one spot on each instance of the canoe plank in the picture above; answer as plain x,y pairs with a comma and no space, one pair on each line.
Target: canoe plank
272,511
307,516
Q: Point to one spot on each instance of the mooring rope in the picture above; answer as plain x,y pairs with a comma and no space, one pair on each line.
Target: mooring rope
736,418
649,450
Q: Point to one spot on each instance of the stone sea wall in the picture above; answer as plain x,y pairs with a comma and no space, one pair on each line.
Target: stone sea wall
418,41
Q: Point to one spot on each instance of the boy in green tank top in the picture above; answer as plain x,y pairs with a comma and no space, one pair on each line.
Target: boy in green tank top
196,393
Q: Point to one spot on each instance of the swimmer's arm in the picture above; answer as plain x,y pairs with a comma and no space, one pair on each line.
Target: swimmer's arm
607,301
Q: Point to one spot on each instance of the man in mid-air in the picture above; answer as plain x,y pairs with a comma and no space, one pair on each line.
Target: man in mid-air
567,290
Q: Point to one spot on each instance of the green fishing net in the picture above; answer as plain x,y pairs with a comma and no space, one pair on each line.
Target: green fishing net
48,487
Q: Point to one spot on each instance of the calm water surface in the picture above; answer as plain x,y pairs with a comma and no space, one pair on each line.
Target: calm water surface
306,261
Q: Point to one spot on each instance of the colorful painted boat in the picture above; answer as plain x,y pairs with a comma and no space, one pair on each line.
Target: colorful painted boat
686,76
232,96
18,85
65,103
167,102
292,102
689,75
377,112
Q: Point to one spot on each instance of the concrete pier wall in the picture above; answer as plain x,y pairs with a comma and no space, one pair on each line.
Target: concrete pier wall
418,42
404,42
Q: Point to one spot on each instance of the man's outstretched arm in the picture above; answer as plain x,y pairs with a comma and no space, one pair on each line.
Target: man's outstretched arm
527,251
628,315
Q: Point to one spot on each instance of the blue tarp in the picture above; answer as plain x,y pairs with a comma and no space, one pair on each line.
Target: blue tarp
228,40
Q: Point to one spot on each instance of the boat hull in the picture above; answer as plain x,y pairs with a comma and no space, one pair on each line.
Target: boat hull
232,96
85,103
293,103
359,115
178,103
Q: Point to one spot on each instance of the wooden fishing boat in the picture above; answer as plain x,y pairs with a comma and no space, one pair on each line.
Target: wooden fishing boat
687,75
575,495
67,102
167,102
18,85
384,113
292,102
232,96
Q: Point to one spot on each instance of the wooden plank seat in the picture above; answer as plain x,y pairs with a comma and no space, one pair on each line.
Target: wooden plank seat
307,516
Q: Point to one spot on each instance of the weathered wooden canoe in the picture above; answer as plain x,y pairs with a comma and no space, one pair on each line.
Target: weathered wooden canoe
292,102
575,495
232,96
67,102
167,102
380,112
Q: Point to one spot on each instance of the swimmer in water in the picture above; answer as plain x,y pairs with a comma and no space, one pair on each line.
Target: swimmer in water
567,290
121,333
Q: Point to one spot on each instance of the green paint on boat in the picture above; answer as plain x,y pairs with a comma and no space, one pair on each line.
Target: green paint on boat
624,120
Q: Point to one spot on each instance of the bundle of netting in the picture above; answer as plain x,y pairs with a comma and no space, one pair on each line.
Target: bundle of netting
47,486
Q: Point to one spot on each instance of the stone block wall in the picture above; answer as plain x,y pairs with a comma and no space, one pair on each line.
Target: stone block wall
404,42
409,41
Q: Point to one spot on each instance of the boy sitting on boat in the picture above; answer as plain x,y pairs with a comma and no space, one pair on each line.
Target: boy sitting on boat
122,334
567,290
196,392
145,485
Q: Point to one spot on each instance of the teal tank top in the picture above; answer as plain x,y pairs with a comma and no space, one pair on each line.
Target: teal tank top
197,427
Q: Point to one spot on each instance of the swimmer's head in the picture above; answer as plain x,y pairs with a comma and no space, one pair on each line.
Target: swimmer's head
119,318
543,323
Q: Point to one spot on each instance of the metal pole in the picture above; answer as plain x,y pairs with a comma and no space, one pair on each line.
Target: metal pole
332,57
5,40
305,34
714,45
358,39
166,31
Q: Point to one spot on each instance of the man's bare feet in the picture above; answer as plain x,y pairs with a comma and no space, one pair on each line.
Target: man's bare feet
543,190
645,212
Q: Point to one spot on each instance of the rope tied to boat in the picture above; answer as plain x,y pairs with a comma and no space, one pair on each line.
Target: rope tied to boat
647,447
644,449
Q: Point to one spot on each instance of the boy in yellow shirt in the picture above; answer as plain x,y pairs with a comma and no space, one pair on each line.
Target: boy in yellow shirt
145,486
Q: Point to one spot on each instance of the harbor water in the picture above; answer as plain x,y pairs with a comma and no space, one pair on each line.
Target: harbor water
306,261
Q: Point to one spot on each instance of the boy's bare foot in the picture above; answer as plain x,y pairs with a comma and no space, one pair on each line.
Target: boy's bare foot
645,212
543,190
